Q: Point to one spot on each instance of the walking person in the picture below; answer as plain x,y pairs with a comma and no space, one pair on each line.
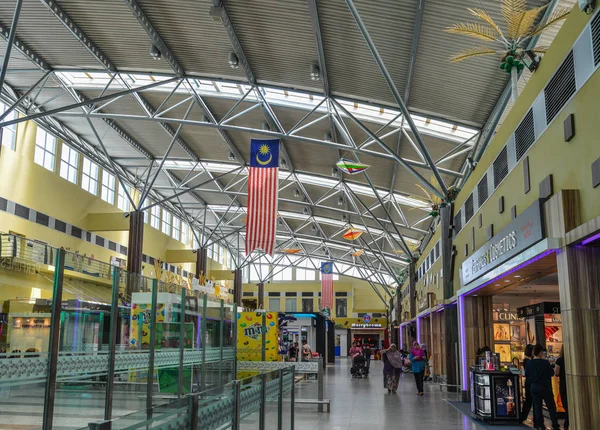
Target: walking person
355,349
539,372
392,367
306,351
528,401
417,358
560,371
368,352
293,352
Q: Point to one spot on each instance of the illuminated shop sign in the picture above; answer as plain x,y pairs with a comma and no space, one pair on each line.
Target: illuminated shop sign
523,232
16,265
357,325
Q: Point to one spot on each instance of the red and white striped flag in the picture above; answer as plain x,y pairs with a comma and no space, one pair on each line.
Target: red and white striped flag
261,220
327,285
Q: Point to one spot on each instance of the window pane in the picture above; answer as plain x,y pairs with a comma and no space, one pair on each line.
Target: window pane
108,187
9,132
166,222
341,308
308,304
89,176
274,304
291,304
123,201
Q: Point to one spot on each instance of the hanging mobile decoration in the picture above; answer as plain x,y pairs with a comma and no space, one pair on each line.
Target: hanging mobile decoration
351,167
352,234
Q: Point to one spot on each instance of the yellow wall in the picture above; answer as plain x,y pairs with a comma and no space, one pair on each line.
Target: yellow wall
361,299
568,162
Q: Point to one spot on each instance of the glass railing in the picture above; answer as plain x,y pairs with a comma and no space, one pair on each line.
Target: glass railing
263,401
84,340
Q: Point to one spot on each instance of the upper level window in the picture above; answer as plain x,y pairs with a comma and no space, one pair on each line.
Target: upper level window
108,187
304,274
282,274
176,230
185,233
69,161
155,217
9,133
89,177
123,202
166,222
45,149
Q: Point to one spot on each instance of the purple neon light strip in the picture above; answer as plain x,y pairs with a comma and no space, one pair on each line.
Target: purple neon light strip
461,314
401,338
419,329
591,239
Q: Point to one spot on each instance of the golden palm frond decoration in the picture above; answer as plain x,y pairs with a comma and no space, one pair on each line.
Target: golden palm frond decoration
432,201
520,25
158,270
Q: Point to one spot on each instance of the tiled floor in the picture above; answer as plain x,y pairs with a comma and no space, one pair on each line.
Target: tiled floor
365,404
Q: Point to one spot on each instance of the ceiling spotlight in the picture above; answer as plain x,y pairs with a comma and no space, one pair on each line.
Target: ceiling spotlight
231,156
296,192
155,53
234,62
327,137
313,227
283,163
265,126
335,171
340,201
279,222
315,72
305,211
344,218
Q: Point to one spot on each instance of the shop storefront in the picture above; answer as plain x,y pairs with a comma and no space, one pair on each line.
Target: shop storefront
515,269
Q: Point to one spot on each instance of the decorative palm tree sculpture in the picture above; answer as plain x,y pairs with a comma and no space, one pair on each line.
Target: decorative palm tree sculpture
521,25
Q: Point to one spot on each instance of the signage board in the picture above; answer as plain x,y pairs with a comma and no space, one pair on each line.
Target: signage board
358,325
524,231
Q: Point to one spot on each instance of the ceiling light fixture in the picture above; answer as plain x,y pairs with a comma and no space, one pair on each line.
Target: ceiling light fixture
231,156
296,192
340,201
234,62
155,53
315,72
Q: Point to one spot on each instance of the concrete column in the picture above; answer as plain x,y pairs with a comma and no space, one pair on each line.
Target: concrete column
136,241
579,284
412,289
261,295
237,287
479,326
201,262
451,355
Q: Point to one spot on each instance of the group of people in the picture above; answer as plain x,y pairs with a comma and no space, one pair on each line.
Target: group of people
394,360
294,351
538,387
365,351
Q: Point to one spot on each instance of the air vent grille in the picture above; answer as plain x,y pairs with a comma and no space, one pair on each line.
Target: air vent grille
469,209
560,88
500,167
596,38
525,135
457,222
482,191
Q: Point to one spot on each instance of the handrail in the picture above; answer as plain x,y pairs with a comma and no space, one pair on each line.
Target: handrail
221,407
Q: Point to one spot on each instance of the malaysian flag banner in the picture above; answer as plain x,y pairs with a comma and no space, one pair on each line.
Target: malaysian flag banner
261,220
327,284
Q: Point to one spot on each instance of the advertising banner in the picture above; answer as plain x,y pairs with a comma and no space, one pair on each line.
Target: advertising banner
250,331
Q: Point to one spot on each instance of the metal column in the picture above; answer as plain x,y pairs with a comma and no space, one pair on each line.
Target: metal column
203,343
112,342
152,348
56,309
181,343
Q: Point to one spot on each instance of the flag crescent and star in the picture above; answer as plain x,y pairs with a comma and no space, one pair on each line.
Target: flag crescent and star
263,186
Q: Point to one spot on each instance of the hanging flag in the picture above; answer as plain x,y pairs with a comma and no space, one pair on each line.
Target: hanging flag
291,250
352,233
358,253
351,167
327,284
261,223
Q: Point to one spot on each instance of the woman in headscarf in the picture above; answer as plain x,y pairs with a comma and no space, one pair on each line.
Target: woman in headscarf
392,367
417,358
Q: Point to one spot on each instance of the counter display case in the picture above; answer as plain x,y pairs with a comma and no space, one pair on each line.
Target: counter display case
495,395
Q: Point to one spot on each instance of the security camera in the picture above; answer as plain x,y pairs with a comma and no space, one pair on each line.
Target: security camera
126,214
